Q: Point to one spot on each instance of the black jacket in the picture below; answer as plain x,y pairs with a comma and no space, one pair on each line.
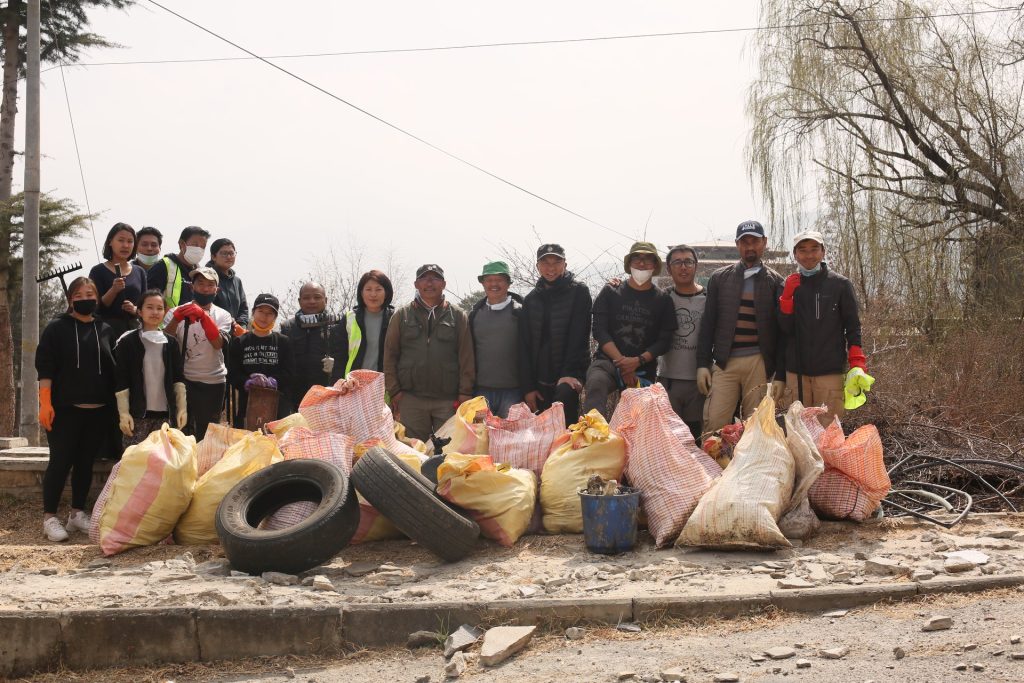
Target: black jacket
78,359
309,346
825,322
270,356
129,352
526,383
557,331
231,295
360,313
718,326
156,277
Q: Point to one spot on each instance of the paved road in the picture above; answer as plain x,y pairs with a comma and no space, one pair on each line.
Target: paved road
702,651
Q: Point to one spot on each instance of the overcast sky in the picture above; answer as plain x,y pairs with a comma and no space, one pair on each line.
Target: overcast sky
623,132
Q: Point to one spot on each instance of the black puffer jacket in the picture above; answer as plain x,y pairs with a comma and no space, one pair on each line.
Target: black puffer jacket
309,346
557,331
718,326
825,322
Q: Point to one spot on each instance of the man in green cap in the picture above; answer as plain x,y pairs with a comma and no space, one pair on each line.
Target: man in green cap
633,325
496,322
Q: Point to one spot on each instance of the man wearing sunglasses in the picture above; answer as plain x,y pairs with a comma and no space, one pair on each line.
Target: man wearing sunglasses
677,368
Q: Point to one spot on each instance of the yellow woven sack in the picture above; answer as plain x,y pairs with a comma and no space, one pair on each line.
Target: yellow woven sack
467,435
251,454
280,427
590,448
501,499
146,493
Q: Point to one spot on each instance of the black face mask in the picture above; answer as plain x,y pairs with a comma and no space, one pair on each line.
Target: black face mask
84,306
203,299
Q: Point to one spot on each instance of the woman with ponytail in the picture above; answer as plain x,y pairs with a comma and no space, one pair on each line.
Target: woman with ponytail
75,365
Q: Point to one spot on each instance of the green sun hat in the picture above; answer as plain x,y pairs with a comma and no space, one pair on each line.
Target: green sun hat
643,248
495,268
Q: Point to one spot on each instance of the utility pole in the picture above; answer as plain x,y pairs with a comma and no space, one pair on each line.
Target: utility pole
30,245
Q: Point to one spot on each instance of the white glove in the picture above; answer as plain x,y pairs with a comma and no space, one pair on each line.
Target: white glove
328,364
181,404
124,416
704,381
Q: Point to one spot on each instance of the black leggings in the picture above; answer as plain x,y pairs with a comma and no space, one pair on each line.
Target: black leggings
77,436
205,403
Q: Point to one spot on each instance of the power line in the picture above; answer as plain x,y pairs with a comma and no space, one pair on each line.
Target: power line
527,43
387,123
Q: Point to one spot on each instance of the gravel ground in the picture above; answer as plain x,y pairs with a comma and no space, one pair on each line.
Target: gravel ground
35,574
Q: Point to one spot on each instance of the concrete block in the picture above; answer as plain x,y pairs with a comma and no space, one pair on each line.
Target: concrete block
96,639
30,642
970,584
243,632
375,625
561,612
654,609
836,597
7,442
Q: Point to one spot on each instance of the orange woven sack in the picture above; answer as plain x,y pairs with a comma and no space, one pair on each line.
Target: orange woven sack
303,443
855,480
662,460
525,440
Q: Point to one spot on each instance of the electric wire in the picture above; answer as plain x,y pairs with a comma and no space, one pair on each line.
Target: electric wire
393,126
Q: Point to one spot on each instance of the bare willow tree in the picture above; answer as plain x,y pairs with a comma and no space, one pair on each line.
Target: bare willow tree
897,127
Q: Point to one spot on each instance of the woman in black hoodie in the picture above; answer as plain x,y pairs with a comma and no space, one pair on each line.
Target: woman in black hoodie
75,365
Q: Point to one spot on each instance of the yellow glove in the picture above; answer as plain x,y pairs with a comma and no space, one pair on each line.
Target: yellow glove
124,416
857,384
181,404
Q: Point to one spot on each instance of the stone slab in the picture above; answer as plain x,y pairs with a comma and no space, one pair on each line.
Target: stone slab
30,642
238,633
94,639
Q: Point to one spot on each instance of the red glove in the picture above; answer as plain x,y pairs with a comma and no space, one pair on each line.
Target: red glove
209,327
857,358
181,312
786,300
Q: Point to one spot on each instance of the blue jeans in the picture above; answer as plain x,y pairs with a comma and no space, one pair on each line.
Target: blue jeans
500,400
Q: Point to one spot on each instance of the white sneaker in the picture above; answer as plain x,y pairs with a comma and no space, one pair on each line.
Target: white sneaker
53,530
80,521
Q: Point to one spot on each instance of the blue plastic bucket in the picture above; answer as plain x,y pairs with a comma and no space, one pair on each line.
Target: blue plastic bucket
609,522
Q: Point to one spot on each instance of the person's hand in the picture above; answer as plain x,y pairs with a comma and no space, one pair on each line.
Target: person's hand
786,300
327,364
46,412
189,311
181,404
129,308
237,330
857,359
628,365
124,417
629,379
118,285
396,400
704,381
778,390
614,281
210,328
532,398
576,385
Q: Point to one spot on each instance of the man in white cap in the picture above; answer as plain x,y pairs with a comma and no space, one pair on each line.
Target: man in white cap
739,333
819,313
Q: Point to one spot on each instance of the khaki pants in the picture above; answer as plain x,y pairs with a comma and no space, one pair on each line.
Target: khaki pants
743,381
423,416
823,390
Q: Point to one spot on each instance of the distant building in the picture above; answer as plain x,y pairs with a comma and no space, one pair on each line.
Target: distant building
713,255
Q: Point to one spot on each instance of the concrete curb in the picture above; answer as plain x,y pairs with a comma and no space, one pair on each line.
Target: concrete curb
90,639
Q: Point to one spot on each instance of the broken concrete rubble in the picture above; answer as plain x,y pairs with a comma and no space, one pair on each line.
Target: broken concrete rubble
501,642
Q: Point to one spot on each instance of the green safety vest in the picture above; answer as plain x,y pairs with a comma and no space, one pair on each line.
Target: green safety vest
172,290
355,338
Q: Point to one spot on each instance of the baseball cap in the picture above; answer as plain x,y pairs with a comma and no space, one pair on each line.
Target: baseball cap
207,272
808,235
749,228
550,250
494,268
267,300
643,248
430,268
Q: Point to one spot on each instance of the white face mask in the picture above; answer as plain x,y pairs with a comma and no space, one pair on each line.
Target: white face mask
194,255
147,259
154,336
641,276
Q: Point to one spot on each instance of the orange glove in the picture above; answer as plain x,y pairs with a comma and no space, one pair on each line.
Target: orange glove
46,412
237,330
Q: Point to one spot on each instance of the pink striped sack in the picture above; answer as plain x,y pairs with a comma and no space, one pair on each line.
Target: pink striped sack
855,479
147,492
354,406
526,440
219,438
662,460
302,443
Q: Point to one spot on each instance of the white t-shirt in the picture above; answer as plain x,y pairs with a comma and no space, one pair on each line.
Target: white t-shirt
203,363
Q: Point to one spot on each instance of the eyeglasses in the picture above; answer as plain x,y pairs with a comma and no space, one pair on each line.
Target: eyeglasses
640,258
681,262
226,254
